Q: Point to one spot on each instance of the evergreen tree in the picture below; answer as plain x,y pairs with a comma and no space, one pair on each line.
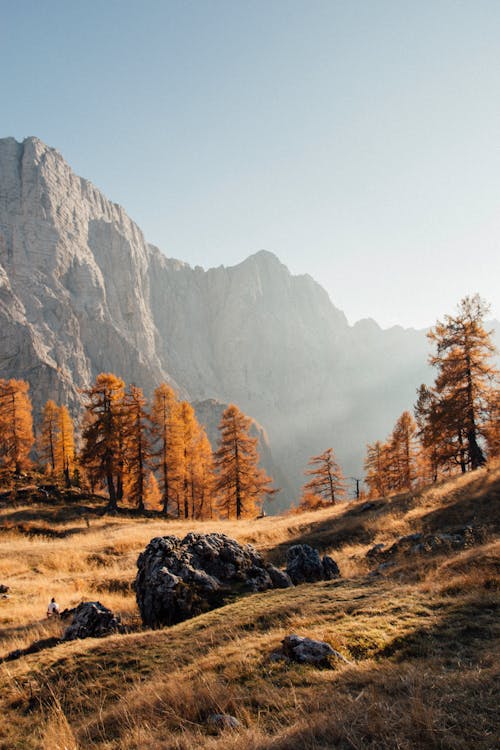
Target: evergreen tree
327,481
240,484
16,425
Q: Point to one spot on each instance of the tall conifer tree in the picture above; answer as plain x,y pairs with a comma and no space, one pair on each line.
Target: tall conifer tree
327,481
16,425
103,435
465,382
240,483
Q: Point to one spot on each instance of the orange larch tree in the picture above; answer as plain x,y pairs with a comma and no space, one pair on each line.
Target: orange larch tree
103,435
16,425
327,481
165,429
240,484
48,434
64,447
465,381
404,451
137,445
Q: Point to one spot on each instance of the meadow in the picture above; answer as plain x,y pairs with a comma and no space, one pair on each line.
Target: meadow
421,635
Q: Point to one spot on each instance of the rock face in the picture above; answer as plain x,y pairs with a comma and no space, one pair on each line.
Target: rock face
91,620
81,292
178,579
304,565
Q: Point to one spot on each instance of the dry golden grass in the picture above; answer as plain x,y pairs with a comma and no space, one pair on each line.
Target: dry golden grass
421,638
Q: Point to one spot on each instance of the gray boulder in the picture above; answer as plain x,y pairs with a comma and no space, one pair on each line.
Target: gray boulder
304,565
92,620
178,579
309,651
223,721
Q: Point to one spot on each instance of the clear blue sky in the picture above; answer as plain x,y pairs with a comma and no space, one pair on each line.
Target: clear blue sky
359,141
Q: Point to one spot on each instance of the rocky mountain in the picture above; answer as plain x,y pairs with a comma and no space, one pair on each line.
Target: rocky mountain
82,292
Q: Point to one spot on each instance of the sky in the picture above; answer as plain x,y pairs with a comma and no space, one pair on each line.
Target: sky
358,141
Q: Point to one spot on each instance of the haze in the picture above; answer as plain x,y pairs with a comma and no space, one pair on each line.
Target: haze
357,141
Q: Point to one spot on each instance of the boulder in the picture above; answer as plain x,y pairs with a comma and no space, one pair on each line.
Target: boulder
92,620
309,651
3,589
304,565
223,721
178,579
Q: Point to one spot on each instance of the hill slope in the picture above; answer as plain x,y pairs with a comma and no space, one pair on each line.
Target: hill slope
419,628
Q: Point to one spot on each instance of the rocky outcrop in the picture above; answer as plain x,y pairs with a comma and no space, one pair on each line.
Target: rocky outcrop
178,579
92,620
304,565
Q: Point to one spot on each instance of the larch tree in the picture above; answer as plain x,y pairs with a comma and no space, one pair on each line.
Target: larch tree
165,428
184,471
103,434
466,380
203,476
48,434
327,481
377,468
137,445
16,425
403,451
240,484
65,444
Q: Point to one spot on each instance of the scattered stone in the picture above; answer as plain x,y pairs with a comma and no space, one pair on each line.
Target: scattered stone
4,589
330,568
304,565
280,579
375,550
178,579
309,651
92,620
223,721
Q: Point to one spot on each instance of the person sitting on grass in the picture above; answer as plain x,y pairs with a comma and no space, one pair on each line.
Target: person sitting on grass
53,608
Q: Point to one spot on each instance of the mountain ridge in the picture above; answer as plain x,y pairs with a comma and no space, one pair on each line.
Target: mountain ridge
81,291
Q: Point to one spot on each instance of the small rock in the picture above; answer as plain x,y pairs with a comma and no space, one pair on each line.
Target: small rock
304,565
280,579
223,721
309,651
330,568
3,589
92,620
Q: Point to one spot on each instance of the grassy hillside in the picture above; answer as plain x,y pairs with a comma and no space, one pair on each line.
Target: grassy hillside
418,628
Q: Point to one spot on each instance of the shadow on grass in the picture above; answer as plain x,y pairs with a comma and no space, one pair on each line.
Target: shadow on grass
465,632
